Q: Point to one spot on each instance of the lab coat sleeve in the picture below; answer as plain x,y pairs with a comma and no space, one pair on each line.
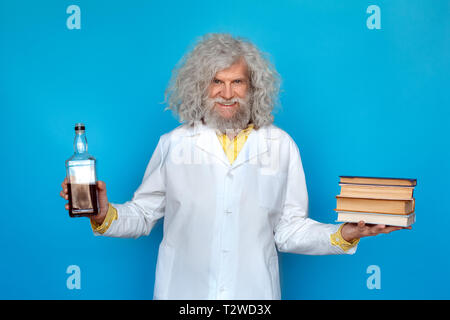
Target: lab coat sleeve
137,217
295,232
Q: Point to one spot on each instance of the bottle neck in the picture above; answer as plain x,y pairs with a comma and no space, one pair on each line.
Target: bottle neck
80,144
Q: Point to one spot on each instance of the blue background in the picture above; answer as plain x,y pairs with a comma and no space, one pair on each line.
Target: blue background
356,101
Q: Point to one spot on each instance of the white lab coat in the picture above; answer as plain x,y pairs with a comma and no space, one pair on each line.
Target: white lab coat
223,223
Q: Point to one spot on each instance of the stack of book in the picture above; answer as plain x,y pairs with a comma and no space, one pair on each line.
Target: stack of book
374,200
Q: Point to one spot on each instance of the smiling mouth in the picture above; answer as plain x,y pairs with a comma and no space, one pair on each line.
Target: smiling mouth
227,105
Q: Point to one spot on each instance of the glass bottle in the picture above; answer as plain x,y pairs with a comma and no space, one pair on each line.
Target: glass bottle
81,177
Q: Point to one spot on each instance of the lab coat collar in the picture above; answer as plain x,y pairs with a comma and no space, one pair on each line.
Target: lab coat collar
258,143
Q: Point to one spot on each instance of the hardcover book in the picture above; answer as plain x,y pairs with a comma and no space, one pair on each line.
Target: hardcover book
378,181
375,218
375,205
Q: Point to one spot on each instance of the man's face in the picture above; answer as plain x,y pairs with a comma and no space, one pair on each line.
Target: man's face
229,88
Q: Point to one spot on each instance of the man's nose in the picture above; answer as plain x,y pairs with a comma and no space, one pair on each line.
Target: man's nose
227,92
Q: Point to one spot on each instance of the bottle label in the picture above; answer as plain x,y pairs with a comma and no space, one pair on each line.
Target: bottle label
83,172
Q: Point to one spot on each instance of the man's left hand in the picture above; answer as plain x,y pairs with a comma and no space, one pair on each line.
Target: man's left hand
353,231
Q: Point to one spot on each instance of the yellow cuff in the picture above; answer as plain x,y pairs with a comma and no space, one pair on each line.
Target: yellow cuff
338,240
111,215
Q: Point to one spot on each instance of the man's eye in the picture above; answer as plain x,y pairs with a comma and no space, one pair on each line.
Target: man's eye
237,81
217,81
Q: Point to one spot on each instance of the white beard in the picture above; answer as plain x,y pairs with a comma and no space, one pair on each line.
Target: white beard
230,126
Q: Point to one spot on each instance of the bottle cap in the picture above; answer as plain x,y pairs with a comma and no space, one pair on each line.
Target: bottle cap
79,126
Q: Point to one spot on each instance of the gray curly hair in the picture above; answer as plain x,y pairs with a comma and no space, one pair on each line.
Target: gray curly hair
188,88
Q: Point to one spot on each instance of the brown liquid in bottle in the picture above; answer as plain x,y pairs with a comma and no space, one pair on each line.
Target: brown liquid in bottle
82,200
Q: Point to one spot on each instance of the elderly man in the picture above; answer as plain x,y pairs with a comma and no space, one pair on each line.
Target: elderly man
229,184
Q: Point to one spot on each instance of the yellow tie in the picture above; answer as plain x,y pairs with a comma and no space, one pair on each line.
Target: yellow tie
233,147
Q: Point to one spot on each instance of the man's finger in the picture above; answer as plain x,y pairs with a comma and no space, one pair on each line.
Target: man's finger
394,228
389,229
101,185
361,225
379,228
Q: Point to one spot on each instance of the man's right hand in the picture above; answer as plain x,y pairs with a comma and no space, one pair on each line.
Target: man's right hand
102,200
